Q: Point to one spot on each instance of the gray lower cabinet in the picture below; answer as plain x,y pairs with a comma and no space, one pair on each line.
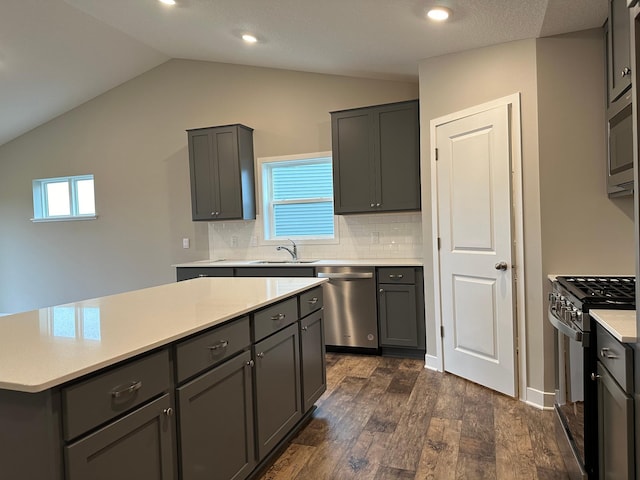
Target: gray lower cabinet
278,391
187,273
312,359
215,413
138,445
616,447
401,310
275,272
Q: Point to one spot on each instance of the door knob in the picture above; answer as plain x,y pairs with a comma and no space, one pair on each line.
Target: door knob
501,266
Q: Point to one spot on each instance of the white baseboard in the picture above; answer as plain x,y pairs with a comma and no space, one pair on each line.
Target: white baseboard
432,363
540,399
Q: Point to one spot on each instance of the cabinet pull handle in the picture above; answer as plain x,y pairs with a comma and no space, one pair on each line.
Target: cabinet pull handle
304,329
595,377
399,275
131,387
378,204
313,301
604,353
373,205
219,345
279,316
168,412
382,290
625,71
250,363
260,355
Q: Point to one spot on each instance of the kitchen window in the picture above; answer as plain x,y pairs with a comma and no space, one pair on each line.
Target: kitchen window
64,198
297,198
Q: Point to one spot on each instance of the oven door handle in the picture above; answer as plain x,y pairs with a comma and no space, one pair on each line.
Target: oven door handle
562,327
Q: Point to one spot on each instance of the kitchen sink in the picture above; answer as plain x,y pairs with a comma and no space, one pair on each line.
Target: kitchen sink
283,261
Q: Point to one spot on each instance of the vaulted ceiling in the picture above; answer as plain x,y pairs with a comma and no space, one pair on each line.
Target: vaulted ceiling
57,54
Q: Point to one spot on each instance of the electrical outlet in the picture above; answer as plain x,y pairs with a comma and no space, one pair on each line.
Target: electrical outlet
234,241
185,243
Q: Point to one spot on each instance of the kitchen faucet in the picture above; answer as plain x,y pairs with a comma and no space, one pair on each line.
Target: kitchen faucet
294,252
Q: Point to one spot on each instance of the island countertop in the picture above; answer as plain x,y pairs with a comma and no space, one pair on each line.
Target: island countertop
45,348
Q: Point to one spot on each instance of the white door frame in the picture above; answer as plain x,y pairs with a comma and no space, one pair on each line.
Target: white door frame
513,102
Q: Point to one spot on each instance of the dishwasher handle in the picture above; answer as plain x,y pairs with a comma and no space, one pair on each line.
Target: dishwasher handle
346,276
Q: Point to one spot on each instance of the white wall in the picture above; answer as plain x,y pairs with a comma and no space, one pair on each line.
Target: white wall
133,140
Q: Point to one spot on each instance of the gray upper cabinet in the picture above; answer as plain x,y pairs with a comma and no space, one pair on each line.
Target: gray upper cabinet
376,158
222,178
618,49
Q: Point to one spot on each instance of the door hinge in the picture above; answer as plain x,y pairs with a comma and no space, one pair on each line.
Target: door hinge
436,154
442,331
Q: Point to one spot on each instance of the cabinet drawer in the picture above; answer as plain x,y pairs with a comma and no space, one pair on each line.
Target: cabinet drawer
207,349
396,275
186,273
92,402
274,318
310,301
616,357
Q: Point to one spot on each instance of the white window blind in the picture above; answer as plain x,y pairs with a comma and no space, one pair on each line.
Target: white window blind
298,199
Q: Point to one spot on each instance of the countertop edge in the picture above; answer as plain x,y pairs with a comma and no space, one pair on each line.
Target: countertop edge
373,262
614,321
111,361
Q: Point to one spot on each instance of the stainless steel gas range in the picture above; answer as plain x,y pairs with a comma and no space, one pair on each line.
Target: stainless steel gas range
576,393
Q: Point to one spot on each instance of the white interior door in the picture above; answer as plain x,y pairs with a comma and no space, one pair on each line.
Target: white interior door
475,229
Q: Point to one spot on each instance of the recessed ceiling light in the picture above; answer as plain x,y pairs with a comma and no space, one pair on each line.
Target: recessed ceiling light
439,14
168,2
248,38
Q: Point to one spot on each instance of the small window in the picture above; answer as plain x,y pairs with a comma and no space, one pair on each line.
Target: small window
64,198
298,197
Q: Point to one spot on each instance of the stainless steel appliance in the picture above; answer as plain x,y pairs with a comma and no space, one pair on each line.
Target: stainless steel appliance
576,393
350,318
620,161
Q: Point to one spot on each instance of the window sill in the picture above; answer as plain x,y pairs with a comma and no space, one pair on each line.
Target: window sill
63,219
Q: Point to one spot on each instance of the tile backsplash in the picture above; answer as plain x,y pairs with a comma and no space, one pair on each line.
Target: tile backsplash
381,235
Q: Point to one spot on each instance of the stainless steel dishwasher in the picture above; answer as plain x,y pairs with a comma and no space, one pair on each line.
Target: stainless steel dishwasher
350,314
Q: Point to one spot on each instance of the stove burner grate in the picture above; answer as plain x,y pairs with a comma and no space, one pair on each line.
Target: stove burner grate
603,289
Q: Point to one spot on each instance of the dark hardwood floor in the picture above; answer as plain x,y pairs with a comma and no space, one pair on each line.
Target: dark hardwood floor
391,419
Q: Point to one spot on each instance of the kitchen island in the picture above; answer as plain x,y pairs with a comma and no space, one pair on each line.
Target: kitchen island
109,387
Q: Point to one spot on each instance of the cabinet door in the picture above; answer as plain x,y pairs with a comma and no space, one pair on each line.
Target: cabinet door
312,350
277,375
227,187
139,445
202,174
216,423
618,49
353,161
615,429
397,315
397,150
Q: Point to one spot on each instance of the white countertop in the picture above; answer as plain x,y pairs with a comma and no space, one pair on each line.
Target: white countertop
47,347
619,323
373,262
